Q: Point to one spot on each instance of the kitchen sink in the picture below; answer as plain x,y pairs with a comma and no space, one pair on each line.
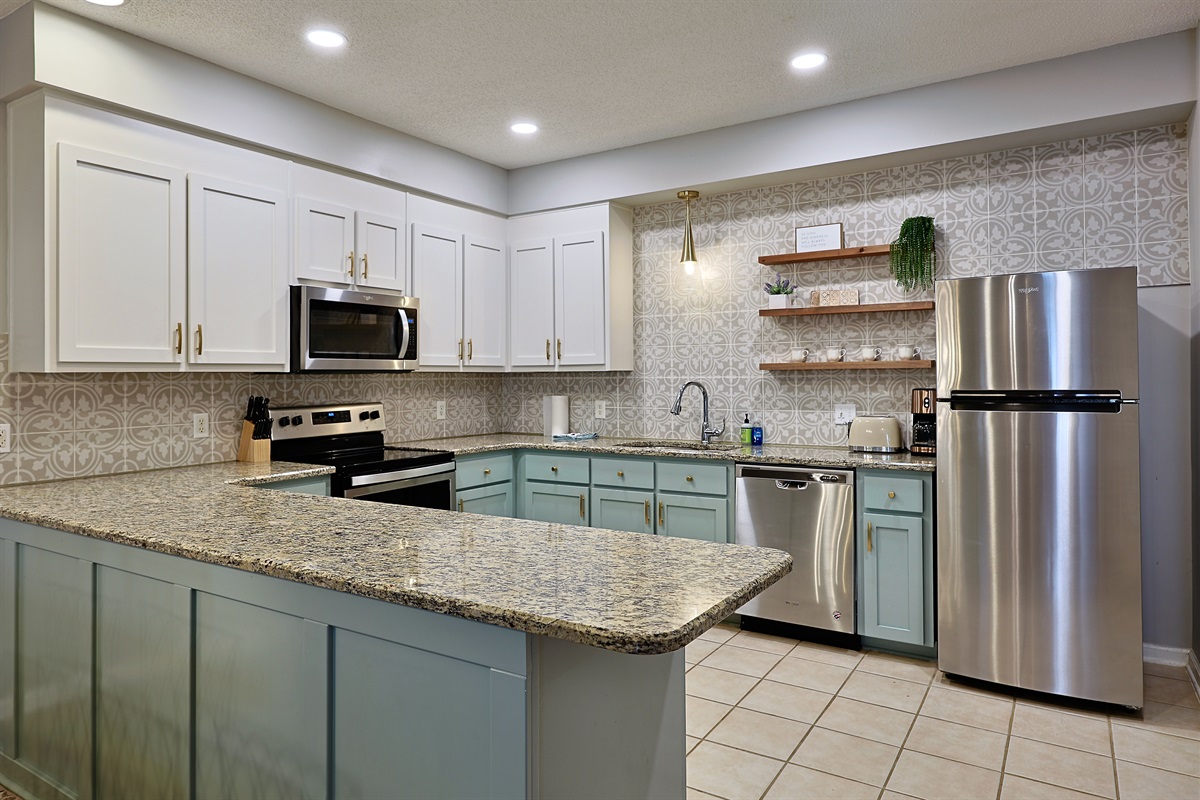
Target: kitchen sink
682,447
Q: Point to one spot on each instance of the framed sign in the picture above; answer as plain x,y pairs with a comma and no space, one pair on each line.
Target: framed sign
819,237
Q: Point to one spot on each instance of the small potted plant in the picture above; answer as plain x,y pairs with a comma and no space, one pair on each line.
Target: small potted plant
779,293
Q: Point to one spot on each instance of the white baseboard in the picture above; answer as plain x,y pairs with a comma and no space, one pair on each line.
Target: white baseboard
1167,656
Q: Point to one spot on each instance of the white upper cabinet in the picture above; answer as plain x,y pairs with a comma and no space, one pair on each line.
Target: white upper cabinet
578,292
485,302
153,263
531,333
437,283
349,233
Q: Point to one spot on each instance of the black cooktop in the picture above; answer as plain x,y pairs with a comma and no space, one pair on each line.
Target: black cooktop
357,454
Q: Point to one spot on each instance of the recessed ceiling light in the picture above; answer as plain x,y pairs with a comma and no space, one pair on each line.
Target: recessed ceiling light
324,38
107,2
523,127
809,60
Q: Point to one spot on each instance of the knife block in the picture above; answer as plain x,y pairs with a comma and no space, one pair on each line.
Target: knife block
251,449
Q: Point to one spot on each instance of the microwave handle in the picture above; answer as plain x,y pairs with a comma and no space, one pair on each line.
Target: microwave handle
405,332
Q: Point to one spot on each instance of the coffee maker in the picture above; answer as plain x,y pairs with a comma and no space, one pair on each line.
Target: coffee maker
924,422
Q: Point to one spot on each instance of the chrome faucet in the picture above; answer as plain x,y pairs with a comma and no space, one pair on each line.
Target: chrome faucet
706,432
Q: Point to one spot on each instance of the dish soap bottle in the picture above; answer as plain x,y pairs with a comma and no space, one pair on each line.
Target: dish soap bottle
746,428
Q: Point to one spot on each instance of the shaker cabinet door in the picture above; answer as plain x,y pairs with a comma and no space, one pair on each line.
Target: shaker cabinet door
437,268
485,302
531,332
382,252
325,241
581,299
893,578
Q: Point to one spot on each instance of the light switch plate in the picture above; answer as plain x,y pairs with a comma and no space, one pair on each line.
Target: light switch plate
601,409
441,409
5,438
843,413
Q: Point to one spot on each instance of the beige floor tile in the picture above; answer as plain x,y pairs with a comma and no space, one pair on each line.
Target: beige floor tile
701,716
719,685
800,782
906,669
1139,782
720,633
696,794
699,649
943,681
782,700
883,691
1168,690
868,721
1061,766
1088,733
1175,720
1017,788
762,641
932,778
764,734
956,742
1154,749
730,773
966,708
850,757
691,742
739,659
809,674
1165,671
888,794
826,654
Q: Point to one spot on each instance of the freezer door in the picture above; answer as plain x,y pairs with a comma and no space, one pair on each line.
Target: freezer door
796,512
1039,551
1039,331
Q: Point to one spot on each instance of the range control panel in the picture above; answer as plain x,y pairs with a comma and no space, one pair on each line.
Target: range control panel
310,421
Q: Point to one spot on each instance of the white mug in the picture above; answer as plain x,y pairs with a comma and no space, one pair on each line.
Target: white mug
834,354
871,353
800,353
908,352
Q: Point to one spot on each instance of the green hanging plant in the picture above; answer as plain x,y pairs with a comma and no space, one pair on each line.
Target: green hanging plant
913,258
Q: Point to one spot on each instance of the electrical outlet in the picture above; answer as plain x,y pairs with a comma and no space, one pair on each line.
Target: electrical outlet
441,409
199,426
601,409
5,437
843,413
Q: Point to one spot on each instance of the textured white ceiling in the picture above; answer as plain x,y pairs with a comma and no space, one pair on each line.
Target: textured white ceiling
601,74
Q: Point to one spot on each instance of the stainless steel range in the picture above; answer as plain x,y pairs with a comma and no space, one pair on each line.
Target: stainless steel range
349,438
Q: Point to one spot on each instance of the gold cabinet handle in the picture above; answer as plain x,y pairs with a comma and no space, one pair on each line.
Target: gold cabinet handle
647,512
199,340
582,510
179,339
460,358
364,260
547,349
869,537
351,259
660,514
470,349
487,472
560,349
554,469
460,504
620,474
687,478
892,495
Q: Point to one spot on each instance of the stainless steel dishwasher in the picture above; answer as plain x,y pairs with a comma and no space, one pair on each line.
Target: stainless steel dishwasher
809,513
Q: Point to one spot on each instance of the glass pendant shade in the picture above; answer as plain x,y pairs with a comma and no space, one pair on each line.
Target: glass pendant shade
688,259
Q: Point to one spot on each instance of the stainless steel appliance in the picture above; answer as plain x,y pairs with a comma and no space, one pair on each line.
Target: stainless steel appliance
1039,541
340,330
350,438
924,422
809,513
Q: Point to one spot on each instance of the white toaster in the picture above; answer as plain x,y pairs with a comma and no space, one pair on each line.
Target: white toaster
875,433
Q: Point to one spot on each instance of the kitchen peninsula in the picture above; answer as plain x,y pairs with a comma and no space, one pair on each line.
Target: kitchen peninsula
191,633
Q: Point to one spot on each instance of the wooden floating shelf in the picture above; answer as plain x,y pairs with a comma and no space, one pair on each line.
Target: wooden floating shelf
826,255
862,308
798,365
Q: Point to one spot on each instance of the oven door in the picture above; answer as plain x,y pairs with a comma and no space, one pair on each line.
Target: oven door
342,330
426,487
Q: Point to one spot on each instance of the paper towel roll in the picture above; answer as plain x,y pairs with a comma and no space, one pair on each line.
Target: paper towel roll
556,414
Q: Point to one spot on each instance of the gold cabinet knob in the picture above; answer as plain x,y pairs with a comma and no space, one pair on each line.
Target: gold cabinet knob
620,474
554,469
487,472
892,495
688,478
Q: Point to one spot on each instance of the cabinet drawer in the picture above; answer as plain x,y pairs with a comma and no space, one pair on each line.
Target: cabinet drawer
623,473
887,493
481,470
556,468
693,478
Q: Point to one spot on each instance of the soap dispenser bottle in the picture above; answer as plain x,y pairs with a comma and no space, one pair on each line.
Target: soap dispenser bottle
746,430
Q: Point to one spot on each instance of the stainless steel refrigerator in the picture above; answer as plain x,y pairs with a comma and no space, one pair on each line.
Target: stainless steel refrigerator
1038,509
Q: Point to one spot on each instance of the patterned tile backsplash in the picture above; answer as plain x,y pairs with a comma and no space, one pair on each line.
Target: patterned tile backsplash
1083,203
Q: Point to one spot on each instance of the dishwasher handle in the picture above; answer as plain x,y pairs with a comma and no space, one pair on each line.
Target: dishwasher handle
793,476
793,486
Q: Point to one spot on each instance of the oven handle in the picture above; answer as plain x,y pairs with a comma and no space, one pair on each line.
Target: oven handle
404,326
403,483
401,474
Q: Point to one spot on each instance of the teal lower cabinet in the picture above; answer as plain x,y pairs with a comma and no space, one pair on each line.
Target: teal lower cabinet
693,516
553,502
496,499
622,510
895,560
315,485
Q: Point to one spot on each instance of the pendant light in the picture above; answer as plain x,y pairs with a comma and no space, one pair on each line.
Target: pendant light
689,248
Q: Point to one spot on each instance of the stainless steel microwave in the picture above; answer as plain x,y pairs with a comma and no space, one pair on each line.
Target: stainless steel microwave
340,330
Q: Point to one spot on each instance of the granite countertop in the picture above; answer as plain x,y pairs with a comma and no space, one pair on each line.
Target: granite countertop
627,592
793,455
